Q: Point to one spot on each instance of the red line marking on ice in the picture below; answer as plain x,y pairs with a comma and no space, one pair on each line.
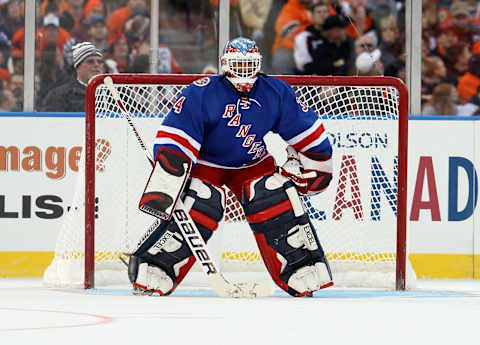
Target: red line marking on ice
103,320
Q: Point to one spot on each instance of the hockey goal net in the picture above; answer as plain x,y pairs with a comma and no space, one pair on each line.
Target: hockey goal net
360,219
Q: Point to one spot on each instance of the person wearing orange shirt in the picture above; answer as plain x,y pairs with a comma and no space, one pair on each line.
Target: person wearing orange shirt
469,83
463,22
293,18
119,53
70,14
91,9
50,32
12,19
117,19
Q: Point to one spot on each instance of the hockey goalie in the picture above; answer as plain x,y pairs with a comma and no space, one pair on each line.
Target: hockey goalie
213,137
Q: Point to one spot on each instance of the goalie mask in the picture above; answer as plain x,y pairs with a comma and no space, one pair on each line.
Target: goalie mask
241,62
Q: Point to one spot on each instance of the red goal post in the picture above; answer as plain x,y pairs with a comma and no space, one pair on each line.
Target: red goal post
369,121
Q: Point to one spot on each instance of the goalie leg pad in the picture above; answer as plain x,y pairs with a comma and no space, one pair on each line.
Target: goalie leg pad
290,249
162,261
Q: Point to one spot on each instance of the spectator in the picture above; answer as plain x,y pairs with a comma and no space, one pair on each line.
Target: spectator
444,100
71,15
430,18
95,33
50,70
137,26
98,32
457,61
335,54
469,83
49,33
137,30
365,43
307,40
16,87
369,63
360,19
70,97
93,8
13,19
7,101
119,53
117,19
391,42
253,14
434,72
292,19
52,33
463,23
446,39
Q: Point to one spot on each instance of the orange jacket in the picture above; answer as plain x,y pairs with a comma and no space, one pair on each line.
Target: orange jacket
116,20
476,48
467,87
4,75
355,31
91,4
292,19
352,29
18,41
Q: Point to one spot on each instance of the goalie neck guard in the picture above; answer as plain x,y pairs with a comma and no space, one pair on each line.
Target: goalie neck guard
241,62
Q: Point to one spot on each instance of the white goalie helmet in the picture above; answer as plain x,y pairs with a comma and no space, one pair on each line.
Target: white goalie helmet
241,62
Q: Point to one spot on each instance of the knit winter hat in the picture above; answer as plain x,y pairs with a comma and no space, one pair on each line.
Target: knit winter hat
83,50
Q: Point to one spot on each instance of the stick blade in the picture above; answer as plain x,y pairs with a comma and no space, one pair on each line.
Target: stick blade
241,290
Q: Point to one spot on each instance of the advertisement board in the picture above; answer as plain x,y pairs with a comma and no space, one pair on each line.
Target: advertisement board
39,167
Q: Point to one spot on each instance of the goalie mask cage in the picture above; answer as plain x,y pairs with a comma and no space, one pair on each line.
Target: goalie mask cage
360,219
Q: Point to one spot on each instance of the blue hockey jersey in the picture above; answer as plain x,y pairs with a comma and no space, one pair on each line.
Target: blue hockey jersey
214,125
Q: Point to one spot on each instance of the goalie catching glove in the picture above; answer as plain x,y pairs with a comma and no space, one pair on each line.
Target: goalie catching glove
310,172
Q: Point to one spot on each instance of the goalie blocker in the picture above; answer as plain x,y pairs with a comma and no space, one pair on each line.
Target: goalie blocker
166,182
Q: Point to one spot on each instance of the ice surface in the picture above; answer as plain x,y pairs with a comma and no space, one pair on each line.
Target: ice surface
436,312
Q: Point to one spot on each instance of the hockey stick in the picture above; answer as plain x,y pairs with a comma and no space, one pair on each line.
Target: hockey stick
192,235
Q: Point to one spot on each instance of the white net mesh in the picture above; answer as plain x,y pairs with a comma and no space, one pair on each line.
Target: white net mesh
355,218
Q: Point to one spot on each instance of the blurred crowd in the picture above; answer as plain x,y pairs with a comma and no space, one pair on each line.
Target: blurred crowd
305,37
